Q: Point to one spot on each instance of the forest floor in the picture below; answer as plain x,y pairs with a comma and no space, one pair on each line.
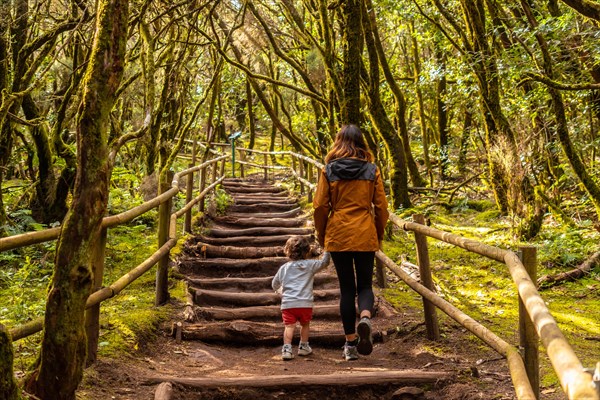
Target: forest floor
478,372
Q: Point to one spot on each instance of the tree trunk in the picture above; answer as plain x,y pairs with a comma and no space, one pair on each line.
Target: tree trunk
397,171
8,386
50,203
419,94
399,98
562,127
60,365
352,45
464,140
442,112
499,137
251,119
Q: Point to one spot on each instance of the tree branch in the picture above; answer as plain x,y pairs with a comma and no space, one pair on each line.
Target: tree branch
590,9
531,76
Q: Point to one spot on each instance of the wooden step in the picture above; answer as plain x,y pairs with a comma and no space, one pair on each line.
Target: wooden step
346,380
251,222
205,297
249,241
251,284
252,189
264,200
254,208
250,333
261,313
258,231
206,250
213,267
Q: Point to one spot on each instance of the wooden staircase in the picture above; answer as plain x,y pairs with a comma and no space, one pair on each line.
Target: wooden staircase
229,267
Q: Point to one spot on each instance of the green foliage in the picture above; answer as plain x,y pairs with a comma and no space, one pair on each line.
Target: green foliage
222,200
125,194
21,221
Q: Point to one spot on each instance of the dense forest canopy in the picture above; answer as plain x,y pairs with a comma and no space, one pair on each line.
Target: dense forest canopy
506,91
446,91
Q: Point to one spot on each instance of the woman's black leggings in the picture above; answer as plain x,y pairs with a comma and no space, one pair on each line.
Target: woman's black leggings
351,285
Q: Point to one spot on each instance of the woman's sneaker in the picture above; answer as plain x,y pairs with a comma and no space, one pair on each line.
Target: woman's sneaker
304,349
365,339
350,353
286,352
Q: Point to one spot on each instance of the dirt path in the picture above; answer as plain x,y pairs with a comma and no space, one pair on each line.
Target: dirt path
232,331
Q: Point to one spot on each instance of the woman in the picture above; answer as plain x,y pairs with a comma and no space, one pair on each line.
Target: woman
350,217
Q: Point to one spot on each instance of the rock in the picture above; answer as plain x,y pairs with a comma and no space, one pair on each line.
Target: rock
409,393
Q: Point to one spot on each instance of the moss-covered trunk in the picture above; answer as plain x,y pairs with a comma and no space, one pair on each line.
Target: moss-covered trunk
60,364
397,168
442,111
8,386
399,98
50,201
590,185
499,138
352,45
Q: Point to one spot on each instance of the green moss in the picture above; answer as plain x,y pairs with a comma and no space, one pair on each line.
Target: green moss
488,215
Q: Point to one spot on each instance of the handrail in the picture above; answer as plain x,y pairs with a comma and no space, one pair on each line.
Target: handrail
36,325
517,368
46,235
576,383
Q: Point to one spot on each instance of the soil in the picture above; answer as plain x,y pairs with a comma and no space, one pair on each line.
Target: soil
477,372
474,370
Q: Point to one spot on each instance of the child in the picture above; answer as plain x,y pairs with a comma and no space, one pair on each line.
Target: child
295,278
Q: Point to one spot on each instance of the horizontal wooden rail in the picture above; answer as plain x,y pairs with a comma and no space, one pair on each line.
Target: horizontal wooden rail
36,325
29,238
515,362
575,381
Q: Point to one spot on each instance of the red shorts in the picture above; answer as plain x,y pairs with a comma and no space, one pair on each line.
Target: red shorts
291,315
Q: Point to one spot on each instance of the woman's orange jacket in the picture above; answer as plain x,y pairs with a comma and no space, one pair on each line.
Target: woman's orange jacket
350,206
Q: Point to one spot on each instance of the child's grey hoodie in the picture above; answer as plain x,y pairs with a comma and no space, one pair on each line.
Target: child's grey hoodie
296,280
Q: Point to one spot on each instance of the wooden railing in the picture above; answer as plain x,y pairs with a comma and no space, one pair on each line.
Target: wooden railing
167,235
536,321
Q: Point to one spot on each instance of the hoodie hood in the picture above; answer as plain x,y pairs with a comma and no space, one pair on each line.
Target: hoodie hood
350,169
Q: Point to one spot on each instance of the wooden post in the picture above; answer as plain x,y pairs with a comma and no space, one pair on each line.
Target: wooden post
222,170
528,337
294,168
309,177
189,189
242,158
92,314
301,174
380,273
162,272
431,321
164,391
266,161
201,186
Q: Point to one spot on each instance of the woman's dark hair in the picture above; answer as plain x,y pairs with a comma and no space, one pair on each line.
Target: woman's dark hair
297,247
349,142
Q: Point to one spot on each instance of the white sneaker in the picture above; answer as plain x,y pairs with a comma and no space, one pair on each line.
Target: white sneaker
286,352
304,349
350,353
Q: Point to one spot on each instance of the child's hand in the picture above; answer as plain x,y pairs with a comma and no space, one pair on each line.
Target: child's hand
316,250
